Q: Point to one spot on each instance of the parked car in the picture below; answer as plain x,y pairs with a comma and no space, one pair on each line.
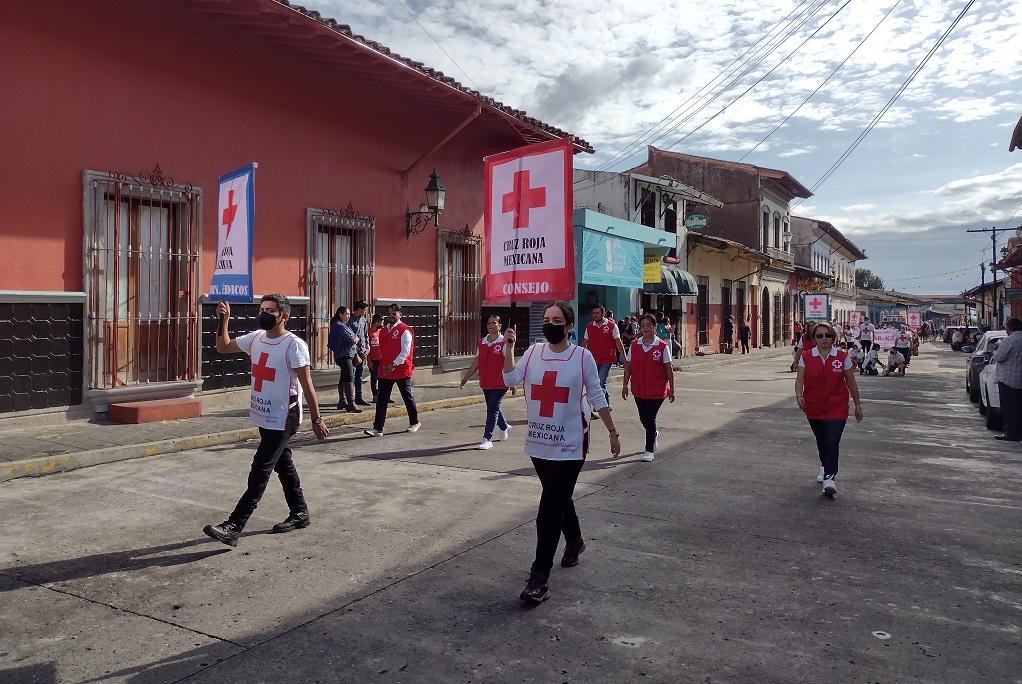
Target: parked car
979,356
990,397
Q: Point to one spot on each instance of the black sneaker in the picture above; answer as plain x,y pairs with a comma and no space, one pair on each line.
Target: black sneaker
536,590
226,532
362,402
295,521
572,550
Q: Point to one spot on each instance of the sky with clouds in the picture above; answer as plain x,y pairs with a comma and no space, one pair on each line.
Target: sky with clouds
717,78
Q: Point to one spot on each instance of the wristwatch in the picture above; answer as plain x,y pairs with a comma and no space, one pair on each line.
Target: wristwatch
317,421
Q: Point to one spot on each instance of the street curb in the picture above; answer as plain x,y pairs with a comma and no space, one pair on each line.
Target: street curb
37,467
737,358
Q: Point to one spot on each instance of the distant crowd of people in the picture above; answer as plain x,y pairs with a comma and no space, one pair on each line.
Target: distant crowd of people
859,341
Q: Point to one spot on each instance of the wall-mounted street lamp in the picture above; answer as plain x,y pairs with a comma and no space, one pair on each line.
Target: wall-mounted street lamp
417,221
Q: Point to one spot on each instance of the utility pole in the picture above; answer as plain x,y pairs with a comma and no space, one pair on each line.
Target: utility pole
993,268
982,289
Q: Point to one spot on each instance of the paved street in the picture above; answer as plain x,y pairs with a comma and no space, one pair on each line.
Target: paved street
718,562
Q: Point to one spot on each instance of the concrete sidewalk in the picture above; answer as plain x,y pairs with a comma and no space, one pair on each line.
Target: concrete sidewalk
52,448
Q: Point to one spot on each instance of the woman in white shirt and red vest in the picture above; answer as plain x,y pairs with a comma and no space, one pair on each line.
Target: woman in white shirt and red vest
489,361
561,382
652,379
825,379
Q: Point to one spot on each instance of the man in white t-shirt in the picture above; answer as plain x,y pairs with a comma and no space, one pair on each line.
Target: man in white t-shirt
895,364
903,344
280,377
866,334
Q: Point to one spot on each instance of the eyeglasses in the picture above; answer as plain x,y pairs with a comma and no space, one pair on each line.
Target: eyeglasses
820,336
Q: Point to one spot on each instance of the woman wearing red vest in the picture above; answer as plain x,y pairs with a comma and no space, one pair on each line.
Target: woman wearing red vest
652,379
489,361
826,377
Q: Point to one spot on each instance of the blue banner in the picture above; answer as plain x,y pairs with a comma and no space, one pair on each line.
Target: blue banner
232,271
610,260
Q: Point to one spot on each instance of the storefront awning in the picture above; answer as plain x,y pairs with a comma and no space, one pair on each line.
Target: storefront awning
677,281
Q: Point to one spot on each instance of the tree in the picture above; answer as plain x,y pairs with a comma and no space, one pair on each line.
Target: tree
865,279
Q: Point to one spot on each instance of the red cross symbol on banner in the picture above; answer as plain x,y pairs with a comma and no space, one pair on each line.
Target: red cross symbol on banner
522,199
548,394
229,212
815,302
260,372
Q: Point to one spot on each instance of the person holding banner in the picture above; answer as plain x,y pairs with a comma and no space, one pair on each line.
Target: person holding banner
561,382
489,361
280,378
652,379
824,382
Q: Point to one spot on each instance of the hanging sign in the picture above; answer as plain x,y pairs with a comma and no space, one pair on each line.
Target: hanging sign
530,248
232,270
697,221
816,307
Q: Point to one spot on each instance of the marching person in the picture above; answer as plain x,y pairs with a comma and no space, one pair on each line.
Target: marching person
561,382
824,382
903,345
489,361
280,378
603,340
397,344
342,342
652,379
727,333
359,326
866,331
1008,357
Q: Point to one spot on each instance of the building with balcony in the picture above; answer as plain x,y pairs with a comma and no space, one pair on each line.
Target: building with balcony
825,262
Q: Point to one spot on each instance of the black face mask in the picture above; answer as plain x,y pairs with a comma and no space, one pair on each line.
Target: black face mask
554,333
266,320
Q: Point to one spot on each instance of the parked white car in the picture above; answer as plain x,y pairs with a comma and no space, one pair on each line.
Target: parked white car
980,355
989,396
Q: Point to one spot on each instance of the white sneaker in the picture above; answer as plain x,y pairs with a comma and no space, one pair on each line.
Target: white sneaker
647,456
414,428
829,487
485,444
504,434
656,442
819,478
372,432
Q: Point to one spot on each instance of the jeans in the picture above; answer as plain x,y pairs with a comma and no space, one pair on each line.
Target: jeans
493,415
404,385
1011,410
272,455
828,439
648,409
358,380
374,377
604,370
556,510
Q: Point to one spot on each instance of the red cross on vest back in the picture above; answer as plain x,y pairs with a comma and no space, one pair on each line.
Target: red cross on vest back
229,212
522,199
548,394
260,372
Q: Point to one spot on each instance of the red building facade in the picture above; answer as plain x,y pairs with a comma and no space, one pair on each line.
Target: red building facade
118,119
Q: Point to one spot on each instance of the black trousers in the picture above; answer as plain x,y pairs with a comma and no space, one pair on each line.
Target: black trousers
744,341
648,408
1011,410
404,385
556,509
906,352
828,441
272,455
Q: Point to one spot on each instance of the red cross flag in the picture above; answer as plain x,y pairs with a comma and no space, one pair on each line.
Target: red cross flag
854,318
816,307
530,251
232,270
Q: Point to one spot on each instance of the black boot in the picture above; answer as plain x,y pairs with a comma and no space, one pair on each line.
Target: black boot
226,532
536,590
572,550
295,521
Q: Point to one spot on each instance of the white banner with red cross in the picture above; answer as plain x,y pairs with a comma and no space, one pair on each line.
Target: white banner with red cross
530,249
915,319
816,307
854,318
232,270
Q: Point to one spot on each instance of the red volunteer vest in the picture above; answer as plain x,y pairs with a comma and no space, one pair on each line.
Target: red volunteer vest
374,344
601,341
649,377
390,347
825,391
491,365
